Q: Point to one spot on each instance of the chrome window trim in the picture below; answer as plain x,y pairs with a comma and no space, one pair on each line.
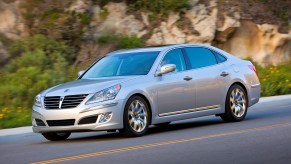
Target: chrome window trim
163,56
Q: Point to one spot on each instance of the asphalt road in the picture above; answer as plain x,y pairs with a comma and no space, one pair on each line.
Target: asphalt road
263,137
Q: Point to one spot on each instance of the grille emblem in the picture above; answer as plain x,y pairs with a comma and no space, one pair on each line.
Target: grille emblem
61,102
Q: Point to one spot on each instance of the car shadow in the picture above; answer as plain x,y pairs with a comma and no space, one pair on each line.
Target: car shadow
184,125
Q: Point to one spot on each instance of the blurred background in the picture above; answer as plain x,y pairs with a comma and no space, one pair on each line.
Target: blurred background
46,42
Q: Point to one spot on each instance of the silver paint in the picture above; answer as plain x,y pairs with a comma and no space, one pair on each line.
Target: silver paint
204,89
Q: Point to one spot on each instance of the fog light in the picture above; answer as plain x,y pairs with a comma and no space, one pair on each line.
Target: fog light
105,117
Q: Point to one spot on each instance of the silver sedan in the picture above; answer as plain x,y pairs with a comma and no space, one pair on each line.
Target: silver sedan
129,90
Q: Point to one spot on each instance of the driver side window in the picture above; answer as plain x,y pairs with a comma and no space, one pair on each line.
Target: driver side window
175,57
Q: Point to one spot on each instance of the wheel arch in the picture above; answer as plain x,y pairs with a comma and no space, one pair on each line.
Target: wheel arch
146,100
241,85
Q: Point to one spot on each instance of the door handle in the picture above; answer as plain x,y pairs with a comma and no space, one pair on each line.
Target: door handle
187,78
223,74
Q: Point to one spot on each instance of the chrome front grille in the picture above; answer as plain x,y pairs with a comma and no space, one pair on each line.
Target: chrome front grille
58,102
52,102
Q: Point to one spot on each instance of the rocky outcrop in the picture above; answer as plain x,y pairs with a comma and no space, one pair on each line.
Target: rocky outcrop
116,21
201,26
80,6
11,22
262,43
204,22
4,55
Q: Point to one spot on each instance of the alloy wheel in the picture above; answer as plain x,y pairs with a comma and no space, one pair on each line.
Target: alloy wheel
137,116
237,102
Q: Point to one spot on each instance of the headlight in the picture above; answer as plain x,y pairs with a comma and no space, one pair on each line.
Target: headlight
104,95
37,101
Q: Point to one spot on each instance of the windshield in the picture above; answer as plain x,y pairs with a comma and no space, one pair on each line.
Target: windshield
125,64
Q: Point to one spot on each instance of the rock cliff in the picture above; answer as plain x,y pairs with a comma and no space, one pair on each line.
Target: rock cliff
226,26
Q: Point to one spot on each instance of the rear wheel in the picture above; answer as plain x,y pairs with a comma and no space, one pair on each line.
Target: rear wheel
236,104
136,117
56,136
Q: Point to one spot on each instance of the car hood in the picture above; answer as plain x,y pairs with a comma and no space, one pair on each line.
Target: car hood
85,86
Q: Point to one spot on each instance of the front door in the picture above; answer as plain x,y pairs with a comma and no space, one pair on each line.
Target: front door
173,90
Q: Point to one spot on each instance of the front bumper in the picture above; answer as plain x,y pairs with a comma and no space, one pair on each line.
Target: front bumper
78,113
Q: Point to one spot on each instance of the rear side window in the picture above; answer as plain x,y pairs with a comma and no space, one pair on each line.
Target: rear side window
220,58
175,57
200,57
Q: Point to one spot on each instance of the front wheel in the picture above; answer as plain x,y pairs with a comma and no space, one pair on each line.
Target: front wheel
236,104
136,117
56,136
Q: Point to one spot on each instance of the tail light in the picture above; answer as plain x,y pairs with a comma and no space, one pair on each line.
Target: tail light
253,68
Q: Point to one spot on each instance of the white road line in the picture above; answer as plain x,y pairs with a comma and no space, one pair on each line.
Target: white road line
15,131
275,98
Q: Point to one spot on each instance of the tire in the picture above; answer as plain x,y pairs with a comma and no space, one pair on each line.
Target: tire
163,124
56,136
136,117
236,104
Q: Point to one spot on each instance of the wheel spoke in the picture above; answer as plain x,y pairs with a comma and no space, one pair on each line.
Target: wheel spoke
141,125
142,115
131,121
231,99
136,104
135,125
232,107
140,109
130,113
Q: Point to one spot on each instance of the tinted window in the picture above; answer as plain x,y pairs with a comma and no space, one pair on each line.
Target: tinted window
219,57
175,57
200,57
124,64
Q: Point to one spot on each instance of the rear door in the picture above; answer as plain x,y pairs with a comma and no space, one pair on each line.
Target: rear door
208,78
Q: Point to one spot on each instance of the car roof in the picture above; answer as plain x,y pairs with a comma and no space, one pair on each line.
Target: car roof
154,48
168,47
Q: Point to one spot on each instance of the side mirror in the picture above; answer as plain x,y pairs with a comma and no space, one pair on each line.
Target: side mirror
166,69
81,73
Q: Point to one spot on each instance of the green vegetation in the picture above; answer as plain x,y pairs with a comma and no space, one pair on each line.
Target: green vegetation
52,19
104,13
275,80
121,41
157,7
160,7
42,63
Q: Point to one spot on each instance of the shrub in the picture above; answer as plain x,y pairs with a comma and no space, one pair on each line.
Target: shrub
122,41
51,18
275,80
160,7
42,63
157,7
